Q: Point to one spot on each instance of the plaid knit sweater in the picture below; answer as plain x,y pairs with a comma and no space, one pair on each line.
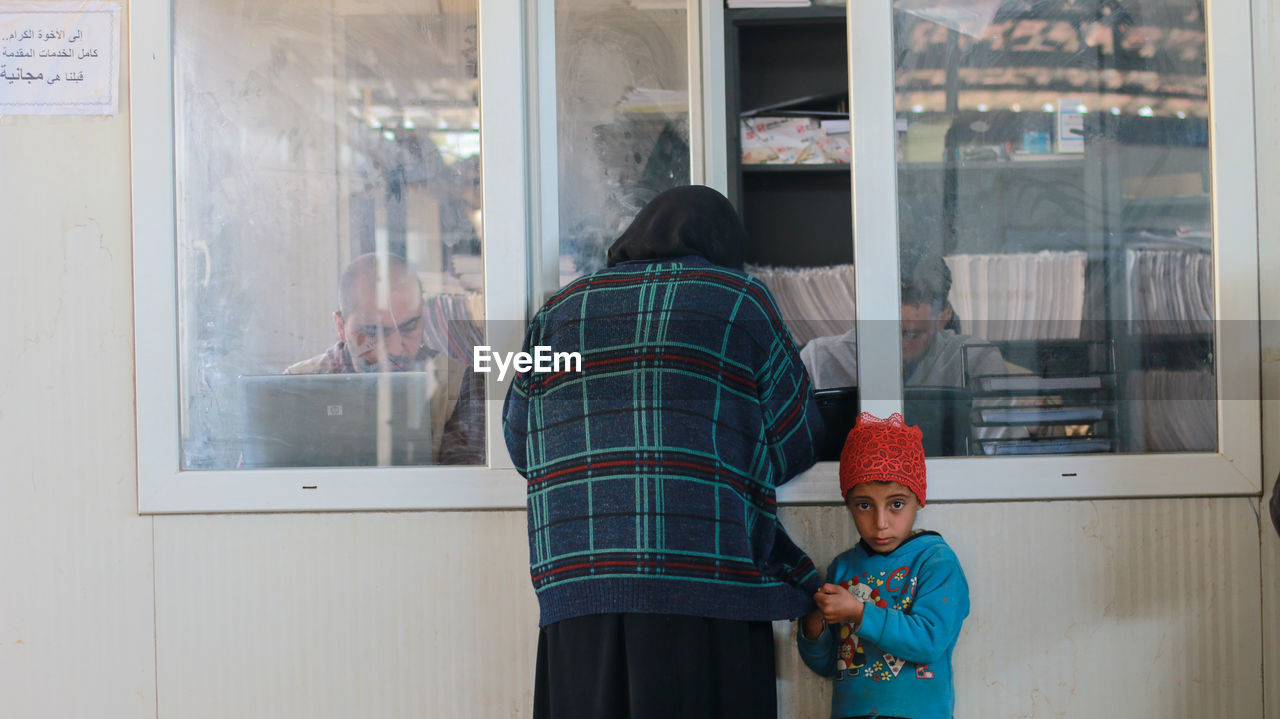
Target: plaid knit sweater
652,471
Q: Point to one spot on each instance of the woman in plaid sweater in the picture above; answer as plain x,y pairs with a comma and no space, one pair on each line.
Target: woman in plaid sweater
655,548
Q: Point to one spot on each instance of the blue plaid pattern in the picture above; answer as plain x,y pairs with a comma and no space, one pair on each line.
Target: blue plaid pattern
652,472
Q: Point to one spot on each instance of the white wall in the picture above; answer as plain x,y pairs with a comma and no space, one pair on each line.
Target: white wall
77,629
344,615
1146,608
1088,609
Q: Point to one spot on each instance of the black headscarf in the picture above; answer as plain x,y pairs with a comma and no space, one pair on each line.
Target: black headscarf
689,220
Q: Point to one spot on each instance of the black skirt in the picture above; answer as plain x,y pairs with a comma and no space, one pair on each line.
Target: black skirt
655,666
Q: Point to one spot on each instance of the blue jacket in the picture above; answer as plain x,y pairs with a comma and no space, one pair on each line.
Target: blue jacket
897,662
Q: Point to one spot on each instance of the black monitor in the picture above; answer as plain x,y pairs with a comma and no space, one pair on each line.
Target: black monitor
943,415
839,409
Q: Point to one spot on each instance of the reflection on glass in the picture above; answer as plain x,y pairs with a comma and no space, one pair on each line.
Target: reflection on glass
1053,166
622,112
328,229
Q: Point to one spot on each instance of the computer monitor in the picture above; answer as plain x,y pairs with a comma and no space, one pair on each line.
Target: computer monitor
942,413
839,409
337,420
943,416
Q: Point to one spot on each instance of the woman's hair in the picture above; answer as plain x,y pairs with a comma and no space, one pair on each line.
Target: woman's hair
689,220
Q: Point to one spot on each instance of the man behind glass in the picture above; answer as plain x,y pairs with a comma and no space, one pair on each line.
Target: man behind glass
379,322
934,354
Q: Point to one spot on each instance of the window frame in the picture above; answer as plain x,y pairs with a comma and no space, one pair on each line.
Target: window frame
163,487
510,116
1235,469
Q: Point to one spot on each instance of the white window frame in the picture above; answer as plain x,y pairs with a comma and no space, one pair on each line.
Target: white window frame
707,146
515,240
1236,468
163,487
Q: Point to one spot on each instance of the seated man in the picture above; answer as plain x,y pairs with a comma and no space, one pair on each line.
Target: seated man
933,353
387,336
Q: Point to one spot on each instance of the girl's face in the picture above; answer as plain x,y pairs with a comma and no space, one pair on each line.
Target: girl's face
883,512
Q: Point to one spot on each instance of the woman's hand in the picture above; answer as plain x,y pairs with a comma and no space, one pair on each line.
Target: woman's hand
811,624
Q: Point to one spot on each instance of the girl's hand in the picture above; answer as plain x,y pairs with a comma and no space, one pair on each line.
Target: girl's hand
838,605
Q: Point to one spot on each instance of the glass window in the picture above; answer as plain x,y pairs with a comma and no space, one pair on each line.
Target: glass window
329,236
1054,226
789,176
622,119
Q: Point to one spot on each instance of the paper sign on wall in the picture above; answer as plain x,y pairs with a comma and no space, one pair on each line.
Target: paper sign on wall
59,58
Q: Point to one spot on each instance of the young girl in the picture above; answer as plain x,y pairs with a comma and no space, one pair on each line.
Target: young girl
890,612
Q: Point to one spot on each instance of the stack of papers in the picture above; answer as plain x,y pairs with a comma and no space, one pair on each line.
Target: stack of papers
782,141
1170,290
1024,296
1035,383
1056,445
814,301
1037,415
1172,410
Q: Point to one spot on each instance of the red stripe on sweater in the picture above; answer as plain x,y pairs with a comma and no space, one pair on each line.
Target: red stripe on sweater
709,568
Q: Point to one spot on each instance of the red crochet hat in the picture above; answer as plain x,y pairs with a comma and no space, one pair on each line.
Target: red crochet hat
883,450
